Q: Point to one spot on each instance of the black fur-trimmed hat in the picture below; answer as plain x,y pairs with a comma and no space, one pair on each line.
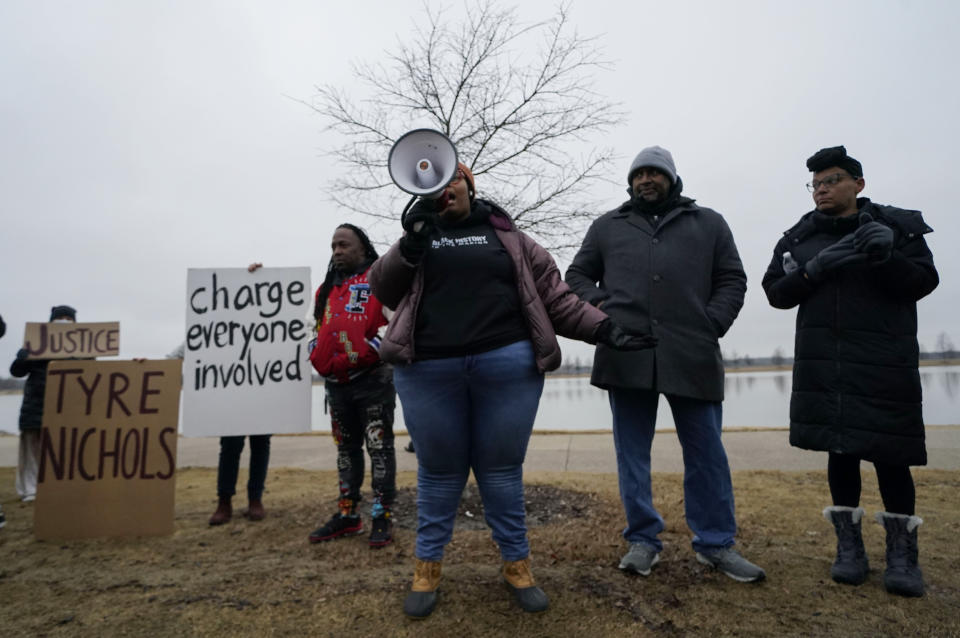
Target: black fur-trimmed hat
834,156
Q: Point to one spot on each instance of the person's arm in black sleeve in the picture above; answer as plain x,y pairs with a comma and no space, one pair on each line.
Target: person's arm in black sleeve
586,270
909,273
729,282
22,366
785,290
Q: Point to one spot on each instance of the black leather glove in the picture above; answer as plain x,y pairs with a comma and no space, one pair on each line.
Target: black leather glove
832,257
875,240
611,335
22,354
420,224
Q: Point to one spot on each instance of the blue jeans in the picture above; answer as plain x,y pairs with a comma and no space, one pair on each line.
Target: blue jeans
707,488
471,412
229,466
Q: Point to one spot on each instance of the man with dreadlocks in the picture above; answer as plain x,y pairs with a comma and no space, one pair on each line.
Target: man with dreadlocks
359,386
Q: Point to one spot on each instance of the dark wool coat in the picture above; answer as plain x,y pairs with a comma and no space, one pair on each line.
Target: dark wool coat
681,281
548,305
31,412
856,386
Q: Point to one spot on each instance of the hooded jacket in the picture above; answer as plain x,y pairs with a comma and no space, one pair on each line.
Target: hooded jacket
547,303
856,385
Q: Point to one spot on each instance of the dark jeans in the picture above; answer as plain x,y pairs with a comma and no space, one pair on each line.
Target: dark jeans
896,484
229,467
707,486
362,412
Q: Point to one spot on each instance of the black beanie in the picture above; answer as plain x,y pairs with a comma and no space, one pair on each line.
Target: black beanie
63,311
834,156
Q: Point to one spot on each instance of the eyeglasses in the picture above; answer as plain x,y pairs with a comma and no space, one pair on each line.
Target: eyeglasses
829,182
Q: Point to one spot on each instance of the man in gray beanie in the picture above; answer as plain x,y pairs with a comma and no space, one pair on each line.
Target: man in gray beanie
663,265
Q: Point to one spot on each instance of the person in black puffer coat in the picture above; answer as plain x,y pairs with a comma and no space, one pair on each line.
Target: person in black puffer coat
31,411
856,270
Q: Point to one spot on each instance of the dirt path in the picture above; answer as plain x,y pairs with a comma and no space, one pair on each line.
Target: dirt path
566,452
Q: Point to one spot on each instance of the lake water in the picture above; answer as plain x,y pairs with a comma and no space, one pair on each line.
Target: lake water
753,399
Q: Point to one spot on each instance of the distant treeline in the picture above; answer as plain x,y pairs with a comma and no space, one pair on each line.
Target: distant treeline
11,383
732,360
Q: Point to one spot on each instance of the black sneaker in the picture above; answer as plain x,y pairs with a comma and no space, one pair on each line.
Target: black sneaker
338,525
382,532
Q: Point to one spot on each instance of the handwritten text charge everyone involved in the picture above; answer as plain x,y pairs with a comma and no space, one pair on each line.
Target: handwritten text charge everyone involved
270,299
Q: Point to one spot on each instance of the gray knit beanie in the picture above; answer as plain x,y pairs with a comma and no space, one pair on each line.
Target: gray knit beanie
657,157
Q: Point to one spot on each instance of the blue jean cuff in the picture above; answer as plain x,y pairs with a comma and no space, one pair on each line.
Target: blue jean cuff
707,550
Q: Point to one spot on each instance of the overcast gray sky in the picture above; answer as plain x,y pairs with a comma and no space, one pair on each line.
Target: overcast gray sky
139,139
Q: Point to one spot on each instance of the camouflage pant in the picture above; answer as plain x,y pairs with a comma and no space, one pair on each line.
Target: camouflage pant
362,412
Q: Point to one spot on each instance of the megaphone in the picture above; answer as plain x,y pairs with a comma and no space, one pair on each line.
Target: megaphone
423,162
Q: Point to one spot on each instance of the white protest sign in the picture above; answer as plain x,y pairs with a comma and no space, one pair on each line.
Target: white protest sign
245,360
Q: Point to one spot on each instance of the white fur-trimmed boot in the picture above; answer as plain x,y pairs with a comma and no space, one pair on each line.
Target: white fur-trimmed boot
851,565
903,575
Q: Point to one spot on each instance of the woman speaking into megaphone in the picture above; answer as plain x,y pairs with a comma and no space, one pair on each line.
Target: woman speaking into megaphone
478,306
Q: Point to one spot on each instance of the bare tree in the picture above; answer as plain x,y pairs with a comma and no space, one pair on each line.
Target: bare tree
516,100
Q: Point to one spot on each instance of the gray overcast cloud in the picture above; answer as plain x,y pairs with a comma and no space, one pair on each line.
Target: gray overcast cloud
141,139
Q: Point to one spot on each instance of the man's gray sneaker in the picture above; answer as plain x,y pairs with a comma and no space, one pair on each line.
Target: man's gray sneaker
639,559
731,563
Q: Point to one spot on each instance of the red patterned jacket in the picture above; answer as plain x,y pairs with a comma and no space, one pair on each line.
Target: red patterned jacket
348,343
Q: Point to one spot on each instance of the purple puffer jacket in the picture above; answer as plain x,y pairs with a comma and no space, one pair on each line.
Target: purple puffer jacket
549,306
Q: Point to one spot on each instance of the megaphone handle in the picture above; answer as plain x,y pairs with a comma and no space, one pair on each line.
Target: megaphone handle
406,209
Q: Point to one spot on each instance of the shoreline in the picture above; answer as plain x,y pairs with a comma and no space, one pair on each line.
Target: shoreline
736,429
926,363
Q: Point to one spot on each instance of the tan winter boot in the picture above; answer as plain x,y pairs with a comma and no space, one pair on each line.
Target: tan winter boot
423,593
519,580
223,513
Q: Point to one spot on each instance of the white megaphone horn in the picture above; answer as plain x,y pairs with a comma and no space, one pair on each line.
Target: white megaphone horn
423,162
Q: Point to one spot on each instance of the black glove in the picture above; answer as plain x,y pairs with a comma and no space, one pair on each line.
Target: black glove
833,257
611,335
875,240
420,224
22,354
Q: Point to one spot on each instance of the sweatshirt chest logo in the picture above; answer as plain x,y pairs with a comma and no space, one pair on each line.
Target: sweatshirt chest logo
456,242
359,296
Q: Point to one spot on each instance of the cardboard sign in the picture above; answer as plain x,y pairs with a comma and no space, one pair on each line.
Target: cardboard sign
245,360
70,340
108,449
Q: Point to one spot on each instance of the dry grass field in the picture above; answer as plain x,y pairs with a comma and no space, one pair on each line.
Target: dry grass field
265,579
